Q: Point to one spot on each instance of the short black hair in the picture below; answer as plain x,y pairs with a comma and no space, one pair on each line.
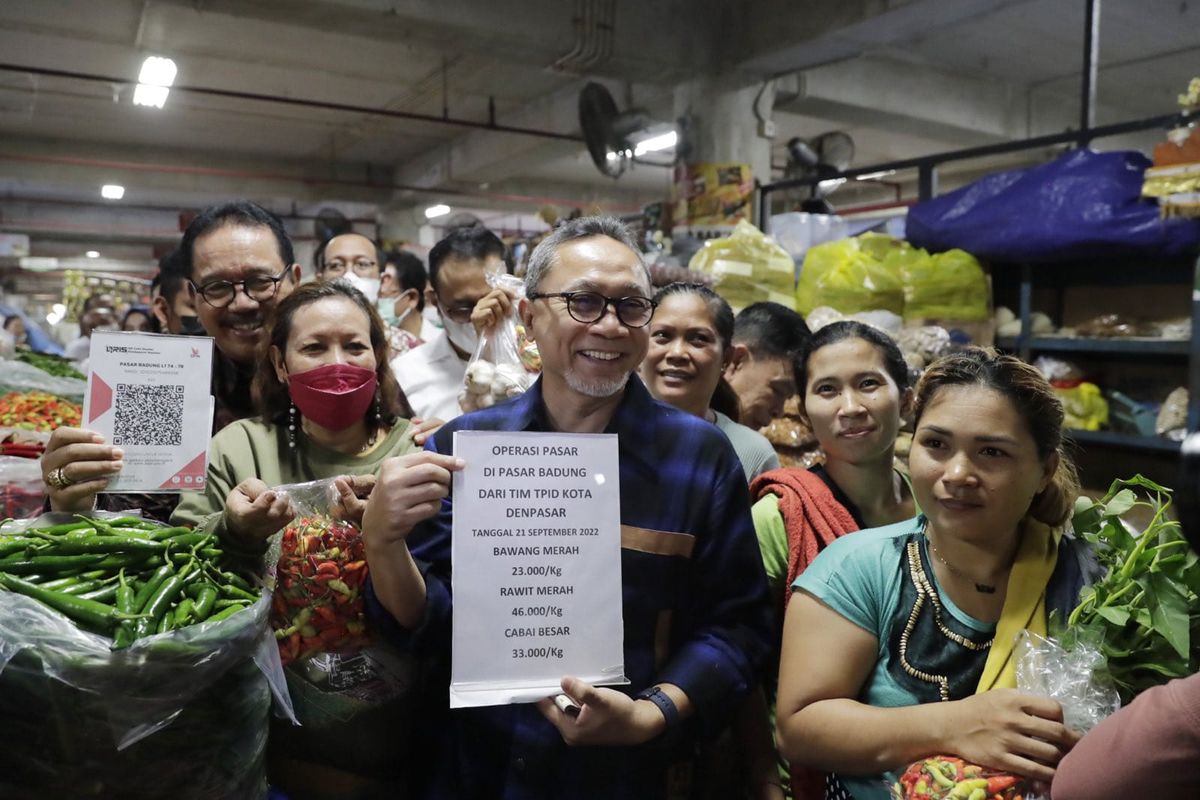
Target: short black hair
319,254
238,212
834,332
410,273
471,243
170,278
770,330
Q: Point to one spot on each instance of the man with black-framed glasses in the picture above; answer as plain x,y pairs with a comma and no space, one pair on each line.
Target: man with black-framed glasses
432,375
697,620
238,263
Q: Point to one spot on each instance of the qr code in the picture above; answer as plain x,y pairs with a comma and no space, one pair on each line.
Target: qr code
148,415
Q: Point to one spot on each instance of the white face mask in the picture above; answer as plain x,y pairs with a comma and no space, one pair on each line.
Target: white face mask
462,334
368,286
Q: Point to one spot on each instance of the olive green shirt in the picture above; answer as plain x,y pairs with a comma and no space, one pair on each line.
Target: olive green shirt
250,448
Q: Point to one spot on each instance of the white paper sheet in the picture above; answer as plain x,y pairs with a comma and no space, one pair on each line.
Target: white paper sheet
536,565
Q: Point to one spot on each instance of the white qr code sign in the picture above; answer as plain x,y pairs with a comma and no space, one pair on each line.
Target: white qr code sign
150,395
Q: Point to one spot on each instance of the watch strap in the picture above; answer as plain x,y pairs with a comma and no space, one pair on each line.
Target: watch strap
664,702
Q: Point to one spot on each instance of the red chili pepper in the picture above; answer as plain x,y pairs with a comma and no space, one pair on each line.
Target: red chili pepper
998,783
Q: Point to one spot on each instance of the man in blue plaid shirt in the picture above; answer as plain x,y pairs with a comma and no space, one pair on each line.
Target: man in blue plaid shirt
696,614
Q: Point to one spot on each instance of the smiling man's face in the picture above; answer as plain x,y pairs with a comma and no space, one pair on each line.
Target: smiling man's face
590,359
234,253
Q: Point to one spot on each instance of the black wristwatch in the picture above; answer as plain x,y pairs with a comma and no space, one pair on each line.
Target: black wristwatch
665,704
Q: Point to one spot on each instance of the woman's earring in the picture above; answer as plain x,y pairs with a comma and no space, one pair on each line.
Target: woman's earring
292,426
378,407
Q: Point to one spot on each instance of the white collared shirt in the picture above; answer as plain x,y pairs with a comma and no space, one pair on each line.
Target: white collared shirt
432,378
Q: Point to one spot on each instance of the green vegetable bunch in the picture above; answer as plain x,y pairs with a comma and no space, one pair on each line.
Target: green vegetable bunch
1145,613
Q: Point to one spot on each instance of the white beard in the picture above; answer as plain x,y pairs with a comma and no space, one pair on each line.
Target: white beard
597,389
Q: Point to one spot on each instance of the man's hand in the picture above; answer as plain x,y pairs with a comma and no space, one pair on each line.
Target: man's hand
607,717
80,459
492,308
421,429
353,491
254,512
409,489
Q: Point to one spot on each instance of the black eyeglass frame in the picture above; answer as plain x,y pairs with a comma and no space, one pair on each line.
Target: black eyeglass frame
615,302
235,285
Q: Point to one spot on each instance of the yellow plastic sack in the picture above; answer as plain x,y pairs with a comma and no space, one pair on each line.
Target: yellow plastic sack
747,267
950,285
851,275
1084,408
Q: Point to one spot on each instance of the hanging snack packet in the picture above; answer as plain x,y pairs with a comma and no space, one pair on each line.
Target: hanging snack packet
506,362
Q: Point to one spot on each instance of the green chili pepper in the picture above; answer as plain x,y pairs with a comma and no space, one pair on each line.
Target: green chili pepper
183,612
157,606
938,776
89,612
150,587
229,611
205,601
39,564
103,593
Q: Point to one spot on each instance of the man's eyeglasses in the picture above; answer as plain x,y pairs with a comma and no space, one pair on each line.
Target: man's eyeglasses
361,266
259,288
589,307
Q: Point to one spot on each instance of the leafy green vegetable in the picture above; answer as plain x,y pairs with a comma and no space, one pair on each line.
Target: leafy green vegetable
1145,613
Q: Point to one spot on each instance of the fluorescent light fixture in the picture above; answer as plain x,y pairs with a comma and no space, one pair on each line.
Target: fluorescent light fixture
150,96
157,71
440,210
92,254
157,75
57,312
112,191
663,141
831,184
874,176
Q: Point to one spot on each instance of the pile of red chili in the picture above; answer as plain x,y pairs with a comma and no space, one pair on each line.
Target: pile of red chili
950,778
38,411
318,604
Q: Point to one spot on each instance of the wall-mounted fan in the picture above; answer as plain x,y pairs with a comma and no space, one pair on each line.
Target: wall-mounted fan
607,130
822,158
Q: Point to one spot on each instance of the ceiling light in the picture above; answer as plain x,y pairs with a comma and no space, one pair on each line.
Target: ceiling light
112,191
440,210
662,142
157,74
150,96
157,71
874,176
92,253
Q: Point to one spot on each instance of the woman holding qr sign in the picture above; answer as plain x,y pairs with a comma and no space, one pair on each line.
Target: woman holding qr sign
899,641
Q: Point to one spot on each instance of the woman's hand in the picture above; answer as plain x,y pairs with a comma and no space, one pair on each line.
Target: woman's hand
1008,730
353,492
421,429
76,466
254,512
492,308
408,490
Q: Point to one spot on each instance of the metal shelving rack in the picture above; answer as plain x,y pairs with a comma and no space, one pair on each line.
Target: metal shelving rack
1184,271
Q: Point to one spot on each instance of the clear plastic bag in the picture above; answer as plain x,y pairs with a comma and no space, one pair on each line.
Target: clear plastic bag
747,267
17,376
506,362
22,492
1073,677
182,714
353,693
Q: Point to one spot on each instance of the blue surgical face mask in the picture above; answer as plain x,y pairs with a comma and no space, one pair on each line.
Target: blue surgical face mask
387,311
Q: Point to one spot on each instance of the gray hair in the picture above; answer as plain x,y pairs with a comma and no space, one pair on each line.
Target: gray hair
544,255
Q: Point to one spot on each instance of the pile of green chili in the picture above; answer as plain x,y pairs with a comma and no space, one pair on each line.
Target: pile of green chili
125,578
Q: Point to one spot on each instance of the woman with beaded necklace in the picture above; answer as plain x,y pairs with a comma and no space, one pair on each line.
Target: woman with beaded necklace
898,642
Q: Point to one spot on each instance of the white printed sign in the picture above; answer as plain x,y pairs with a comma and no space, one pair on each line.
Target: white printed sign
536,556
150,395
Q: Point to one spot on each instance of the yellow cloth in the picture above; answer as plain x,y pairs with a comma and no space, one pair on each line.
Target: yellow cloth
1024,603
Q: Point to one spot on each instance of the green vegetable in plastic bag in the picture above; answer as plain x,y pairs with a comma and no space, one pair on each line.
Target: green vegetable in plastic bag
747,267
950,285
851,275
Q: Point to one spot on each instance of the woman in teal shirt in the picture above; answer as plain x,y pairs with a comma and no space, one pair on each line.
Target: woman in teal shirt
898,641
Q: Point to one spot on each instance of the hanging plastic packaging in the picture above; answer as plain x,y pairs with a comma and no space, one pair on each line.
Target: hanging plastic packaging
852,275
182,714
506,361
1081,205
747,267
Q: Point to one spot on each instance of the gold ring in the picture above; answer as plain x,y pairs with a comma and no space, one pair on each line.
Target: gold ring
58,479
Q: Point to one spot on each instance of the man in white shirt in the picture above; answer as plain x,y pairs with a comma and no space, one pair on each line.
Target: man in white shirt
432,375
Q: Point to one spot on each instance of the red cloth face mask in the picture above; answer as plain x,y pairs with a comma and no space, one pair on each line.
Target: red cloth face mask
334,396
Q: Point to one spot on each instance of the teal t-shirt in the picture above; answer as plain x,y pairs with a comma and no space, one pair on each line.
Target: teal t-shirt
865,577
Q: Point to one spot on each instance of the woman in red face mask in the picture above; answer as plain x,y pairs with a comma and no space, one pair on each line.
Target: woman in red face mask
329,406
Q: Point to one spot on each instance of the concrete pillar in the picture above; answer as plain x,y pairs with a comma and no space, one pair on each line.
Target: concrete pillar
401,222
722,126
